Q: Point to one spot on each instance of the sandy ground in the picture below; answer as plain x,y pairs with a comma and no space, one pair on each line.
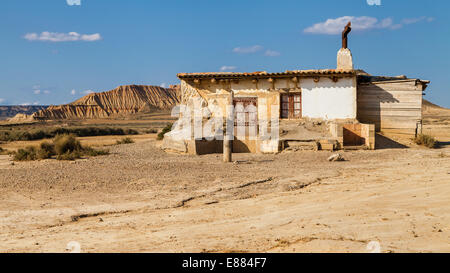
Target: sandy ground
141,199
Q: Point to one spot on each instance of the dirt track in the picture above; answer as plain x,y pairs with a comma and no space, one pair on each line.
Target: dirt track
140,199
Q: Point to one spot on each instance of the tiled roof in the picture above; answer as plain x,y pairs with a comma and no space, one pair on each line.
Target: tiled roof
264,74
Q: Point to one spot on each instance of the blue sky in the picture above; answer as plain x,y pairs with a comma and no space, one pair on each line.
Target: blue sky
53,53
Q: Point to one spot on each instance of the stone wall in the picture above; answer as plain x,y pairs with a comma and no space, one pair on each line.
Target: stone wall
326,98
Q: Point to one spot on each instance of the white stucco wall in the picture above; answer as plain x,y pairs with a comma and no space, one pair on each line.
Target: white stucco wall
327,99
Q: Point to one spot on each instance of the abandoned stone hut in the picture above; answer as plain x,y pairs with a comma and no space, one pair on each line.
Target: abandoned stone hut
317,109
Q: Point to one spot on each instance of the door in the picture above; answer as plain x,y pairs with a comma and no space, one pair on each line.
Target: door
245,124
291,106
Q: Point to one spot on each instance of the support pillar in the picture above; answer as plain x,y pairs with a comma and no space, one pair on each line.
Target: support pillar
229,131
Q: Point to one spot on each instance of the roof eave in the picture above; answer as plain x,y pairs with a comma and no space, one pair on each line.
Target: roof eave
267,75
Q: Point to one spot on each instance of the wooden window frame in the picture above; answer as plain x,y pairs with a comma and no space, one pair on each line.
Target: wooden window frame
291,105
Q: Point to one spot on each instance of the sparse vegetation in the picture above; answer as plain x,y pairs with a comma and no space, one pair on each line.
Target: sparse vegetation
89,151
27,135
46,150
27,154
426,140
164,131
66,144
151,131
125,140
65,147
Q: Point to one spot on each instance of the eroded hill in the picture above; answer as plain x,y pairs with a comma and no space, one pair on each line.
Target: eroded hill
11,111
128,99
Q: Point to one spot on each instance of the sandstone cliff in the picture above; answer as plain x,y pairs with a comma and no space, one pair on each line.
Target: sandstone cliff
129,99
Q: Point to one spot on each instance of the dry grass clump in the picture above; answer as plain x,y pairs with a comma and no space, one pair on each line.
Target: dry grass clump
64,147
93,152
426,140
125,140
164,131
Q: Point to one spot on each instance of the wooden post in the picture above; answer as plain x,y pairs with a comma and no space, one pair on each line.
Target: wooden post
229,130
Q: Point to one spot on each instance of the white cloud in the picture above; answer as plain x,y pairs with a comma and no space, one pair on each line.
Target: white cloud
87,92
62,37
335,26
247,50
272,53
91,37
2,100
29,103
408,21
227,68
37,90
163,85
73,92
73,2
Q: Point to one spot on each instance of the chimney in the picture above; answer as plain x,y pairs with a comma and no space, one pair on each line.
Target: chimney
344,56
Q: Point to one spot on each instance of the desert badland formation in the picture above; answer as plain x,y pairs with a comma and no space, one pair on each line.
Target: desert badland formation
124,100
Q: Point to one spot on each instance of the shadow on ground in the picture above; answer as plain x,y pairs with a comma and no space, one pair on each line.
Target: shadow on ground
441,145
382,142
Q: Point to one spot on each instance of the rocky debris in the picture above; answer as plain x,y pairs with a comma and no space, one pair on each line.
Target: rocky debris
329,145
304,130
336,157
128,99
301,146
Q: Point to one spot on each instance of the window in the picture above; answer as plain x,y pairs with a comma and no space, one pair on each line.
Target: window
246,112
291,105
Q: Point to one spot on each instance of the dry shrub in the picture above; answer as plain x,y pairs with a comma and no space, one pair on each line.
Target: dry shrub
27,135
426,140
66,144
164,131
46,150
27,154
69,156
65,147
125,140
